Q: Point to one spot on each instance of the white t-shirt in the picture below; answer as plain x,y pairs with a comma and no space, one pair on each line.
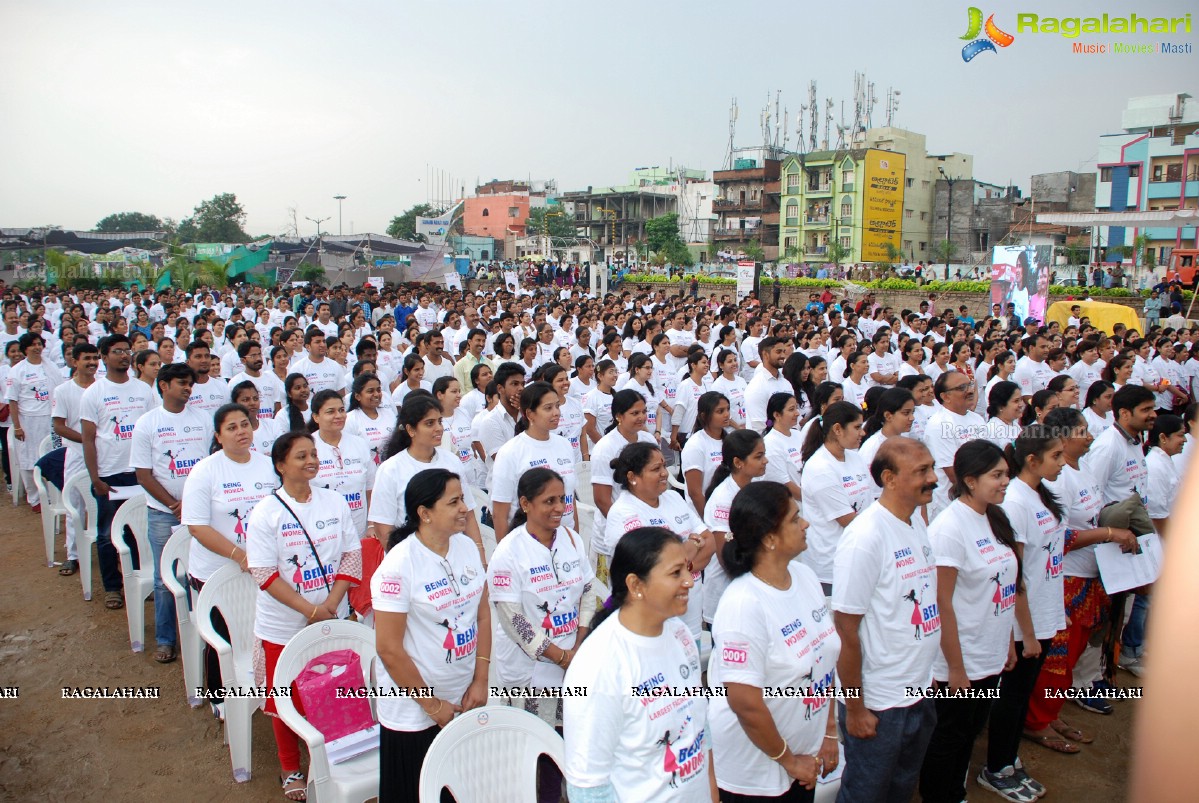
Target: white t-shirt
114,408
1119,466
678,337
984,595
441,597
523,453
1163,483
629,513
1002,434
702,453
65,405
1082,498
170,445
884,364
277,541
854,393
652,400
758,393
348,469
768,638
270,391
570,426
206,399
686,406
831,488
30,386
392,476
734,390
749,354
376,432
221,494
885,572
1044,538
1097,424
651,746
265,435
579,389
548,586
784,456
608,448
944,434
716,519
599,405
1085,375
1031,376
325,375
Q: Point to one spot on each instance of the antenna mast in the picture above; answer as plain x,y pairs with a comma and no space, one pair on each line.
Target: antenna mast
728,159
814,110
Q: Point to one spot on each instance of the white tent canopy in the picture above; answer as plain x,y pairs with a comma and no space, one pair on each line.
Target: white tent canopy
1167,218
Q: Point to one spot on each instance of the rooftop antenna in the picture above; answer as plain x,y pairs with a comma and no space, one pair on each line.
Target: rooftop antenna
870,101
765,120
800,142
728,159
786,123
777,96
814,110
828,120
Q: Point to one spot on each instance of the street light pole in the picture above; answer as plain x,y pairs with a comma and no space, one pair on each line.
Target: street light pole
318,221
948,220
339,199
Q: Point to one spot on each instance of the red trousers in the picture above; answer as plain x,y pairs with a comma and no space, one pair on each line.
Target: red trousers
287,742
1057,673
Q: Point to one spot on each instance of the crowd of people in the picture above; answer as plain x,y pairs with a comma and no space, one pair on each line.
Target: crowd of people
773,545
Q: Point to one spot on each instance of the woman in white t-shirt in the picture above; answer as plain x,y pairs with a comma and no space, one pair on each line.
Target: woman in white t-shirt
597,406
784,443
647,502
921,388
665,379
540,583
772,630
304,554
411,378
614,350
641,370
457,439
743,460
979,595
939,363
218,496
1038,521
732,386
414,447
913,359
1087,606
692,386
854,385
367,418
346,464
702,453
651,744
1097,408
628,426
432,628
836,484
266,430
294,412
570,419
892,418
1165,440
1002,370
583,381
1005,406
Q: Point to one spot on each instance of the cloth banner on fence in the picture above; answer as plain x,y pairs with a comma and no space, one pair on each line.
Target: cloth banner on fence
453,281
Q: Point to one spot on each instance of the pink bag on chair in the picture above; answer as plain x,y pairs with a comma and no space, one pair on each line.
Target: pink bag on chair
334,715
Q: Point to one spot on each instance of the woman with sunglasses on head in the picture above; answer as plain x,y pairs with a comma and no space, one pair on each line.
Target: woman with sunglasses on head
641,470
535,444
303,573
346,464
765,747
543,616
432,627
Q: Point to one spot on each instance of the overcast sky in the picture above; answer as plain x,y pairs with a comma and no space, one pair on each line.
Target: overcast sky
153,107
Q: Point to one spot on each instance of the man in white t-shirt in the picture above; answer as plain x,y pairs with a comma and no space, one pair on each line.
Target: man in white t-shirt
324,320
1086,371
680,340
950,427
64,418
1032,372
437,363
321,372
749,348
209,393
168,441
270,390
885,609
767,380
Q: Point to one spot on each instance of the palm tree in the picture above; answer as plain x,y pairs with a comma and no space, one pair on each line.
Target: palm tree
838,253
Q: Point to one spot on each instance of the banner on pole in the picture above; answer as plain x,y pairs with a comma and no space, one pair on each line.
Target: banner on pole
745,278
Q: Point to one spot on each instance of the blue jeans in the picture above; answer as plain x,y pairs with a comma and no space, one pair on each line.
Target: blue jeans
1133,638
161,525
885,769
106,553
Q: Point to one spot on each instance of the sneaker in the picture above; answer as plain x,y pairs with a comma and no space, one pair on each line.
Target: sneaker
1031,786
1094,703
1102,685
1131,665
36,508
1005,784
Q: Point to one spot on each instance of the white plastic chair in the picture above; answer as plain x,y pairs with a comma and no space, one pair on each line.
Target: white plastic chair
583,489
175,555
52,506
233,592
489,542
353,780
15,466
79,488
489,755
139,583
587,514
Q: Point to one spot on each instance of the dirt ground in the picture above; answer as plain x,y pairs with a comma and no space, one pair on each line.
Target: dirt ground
56,749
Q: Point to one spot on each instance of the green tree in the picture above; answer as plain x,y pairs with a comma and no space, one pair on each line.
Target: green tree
1077,251
662,232
309,272
403,227
894,252
220,219
838,253
677,253
945,251
753,250
554,221
188,275
129,221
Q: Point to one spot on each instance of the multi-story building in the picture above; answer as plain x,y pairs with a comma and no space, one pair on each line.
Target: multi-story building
922,230
1153,164
500,210
853,197
747,206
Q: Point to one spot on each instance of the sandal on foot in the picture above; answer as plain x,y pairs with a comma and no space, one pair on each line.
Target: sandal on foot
68,568
164,654
114,600
298,786
1070,732
1054,742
